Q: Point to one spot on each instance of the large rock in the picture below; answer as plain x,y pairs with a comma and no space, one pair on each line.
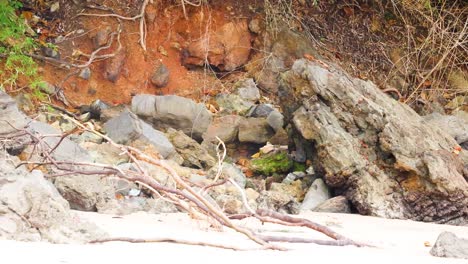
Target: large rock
127,128
228,48
448,245
31,209
255,130
225,128
192,152
233,104
383,155
317,194
173,111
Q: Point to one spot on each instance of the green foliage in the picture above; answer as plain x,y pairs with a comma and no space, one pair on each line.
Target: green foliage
14,44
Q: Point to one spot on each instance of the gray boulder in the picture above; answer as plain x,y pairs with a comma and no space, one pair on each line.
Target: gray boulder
338,204
255,130
448,245
31,209
127,128
173,111
317,194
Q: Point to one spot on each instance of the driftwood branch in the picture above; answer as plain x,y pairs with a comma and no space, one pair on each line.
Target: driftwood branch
182,194
167,240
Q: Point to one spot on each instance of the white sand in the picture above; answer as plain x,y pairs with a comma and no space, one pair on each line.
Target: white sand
396,240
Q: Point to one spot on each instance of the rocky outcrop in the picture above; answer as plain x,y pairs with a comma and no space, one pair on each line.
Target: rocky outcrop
31,209
228,48
379,152
83,192
173,111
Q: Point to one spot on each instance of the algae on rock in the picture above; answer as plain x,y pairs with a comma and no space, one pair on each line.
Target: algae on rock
270,163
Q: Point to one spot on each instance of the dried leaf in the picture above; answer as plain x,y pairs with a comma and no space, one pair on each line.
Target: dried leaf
256,155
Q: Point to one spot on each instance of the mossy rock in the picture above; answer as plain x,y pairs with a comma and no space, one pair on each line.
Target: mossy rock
298,166
271,163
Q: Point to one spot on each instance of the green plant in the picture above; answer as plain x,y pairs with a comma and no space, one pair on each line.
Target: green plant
15,44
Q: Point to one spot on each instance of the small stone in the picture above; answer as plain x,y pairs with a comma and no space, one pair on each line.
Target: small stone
247,90
100,39
448,245
85,73
114,66
160,76
289,178
338,204
85,117
261,110
47,88
310,170
317,194
50,52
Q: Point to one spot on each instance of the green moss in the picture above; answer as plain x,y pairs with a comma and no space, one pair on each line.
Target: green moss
299,166
272,163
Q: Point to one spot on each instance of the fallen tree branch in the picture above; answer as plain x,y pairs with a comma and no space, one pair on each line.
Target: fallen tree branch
182,194
167,240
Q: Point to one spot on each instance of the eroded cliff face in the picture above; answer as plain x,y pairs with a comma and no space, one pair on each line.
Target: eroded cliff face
386,159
